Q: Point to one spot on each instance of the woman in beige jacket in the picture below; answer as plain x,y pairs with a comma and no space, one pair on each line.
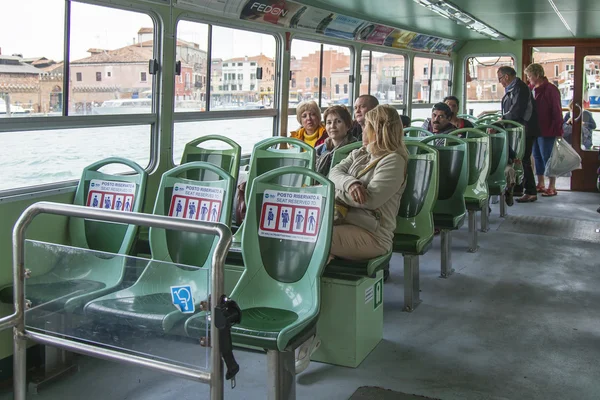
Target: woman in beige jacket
369,184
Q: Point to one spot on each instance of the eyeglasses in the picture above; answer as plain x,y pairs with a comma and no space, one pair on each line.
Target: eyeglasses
501,77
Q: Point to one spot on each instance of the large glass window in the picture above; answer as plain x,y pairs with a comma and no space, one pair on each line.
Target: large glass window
191,52
440,80
61,154
421,80
385,76
32,43
236,57
483,91
112,63
306,59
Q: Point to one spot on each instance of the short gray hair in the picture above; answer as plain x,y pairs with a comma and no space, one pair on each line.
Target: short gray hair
506,70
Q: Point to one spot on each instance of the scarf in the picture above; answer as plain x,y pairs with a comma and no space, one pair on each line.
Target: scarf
315,139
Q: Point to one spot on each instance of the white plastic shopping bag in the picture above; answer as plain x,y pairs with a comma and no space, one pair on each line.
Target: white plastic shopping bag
563,160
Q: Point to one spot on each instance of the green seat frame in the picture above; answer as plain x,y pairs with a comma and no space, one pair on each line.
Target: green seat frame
343,152
416,132
147,303
468,117
449,210
266,156
226,159
418,120
69,283
273,318
487,119
414,223
516,141
476,193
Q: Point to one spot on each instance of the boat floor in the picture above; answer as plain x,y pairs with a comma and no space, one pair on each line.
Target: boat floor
519,319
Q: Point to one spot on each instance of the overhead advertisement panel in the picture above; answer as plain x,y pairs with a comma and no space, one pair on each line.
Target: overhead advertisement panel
292,15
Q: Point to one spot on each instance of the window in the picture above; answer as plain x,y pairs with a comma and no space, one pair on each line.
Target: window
421,89
337,89
305,66
440,84
142,77
78,76
379,82
252,77
426,70
556,70
225,64
89,51
293,82
345,88
233,87
483,93
253,64
228,47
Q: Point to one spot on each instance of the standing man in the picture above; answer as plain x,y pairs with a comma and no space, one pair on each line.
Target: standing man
362,105
518,105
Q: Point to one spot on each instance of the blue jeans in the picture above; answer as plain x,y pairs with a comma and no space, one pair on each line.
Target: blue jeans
542,149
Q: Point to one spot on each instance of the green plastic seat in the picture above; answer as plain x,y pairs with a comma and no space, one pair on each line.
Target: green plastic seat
147,303
449,210
476,193
267,156
417,121
488,119
516,141
67,284
468,117
414,223
343,152
416,132
226,159
358,268
498,159
279,292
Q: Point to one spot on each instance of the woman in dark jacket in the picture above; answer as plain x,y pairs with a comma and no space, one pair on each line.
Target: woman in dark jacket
549,110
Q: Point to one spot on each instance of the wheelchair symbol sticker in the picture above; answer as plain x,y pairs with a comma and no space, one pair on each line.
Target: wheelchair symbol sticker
182,298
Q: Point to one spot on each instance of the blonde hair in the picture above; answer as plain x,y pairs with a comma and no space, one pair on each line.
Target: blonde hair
535,70
307,106
385,131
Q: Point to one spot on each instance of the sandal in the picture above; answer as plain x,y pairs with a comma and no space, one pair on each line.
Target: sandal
549,193
540,189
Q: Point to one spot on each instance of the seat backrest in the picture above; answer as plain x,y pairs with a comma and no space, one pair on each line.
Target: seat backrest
488,119
285,245
453,164
413,131
103,190
266,156
419,197
418,121
226,159
195,199
516,136
478,144
468,117
343,152
498,158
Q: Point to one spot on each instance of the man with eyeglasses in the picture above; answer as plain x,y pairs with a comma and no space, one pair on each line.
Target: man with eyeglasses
518,105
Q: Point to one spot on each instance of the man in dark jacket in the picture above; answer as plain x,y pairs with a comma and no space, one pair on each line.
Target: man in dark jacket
362,105
518,105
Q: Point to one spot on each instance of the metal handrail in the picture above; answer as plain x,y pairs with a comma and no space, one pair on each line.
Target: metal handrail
214,377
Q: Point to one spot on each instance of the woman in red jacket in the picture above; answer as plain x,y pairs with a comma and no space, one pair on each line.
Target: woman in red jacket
549,110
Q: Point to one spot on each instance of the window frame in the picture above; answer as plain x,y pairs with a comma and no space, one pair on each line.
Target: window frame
403,107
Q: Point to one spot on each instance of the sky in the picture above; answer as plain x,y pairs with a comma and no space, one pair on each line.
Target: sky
42,32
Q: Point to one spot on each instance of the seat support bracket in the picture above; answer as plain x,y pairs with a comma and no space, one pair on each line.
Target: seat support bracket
473,247
446,269
281,372
411,282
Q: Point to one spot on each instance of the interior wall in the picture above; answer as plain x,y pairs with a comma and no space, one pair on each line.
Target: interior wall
482,48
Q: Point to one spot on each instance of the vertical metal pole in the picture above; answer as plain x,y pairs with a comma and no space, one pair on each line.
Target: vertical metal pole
281,372
485,217
446,269
217,289
472,232
321,76
411,282
503,204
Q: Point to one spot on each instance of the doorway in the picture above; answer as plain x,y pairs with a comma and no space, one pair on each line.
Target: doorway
574,67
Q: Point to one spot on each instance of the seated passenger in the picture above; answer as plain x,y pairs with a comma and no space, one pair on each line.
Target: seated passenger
369,184
362,105
587,127
440,121
312,131
459,123
337,122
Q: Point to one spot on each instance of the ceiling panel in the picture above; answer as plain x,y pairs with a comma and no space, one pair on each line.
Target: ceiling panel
517,19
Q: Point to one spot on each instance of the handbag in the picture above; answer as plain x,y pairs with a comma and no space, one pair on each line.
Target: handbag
361,217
